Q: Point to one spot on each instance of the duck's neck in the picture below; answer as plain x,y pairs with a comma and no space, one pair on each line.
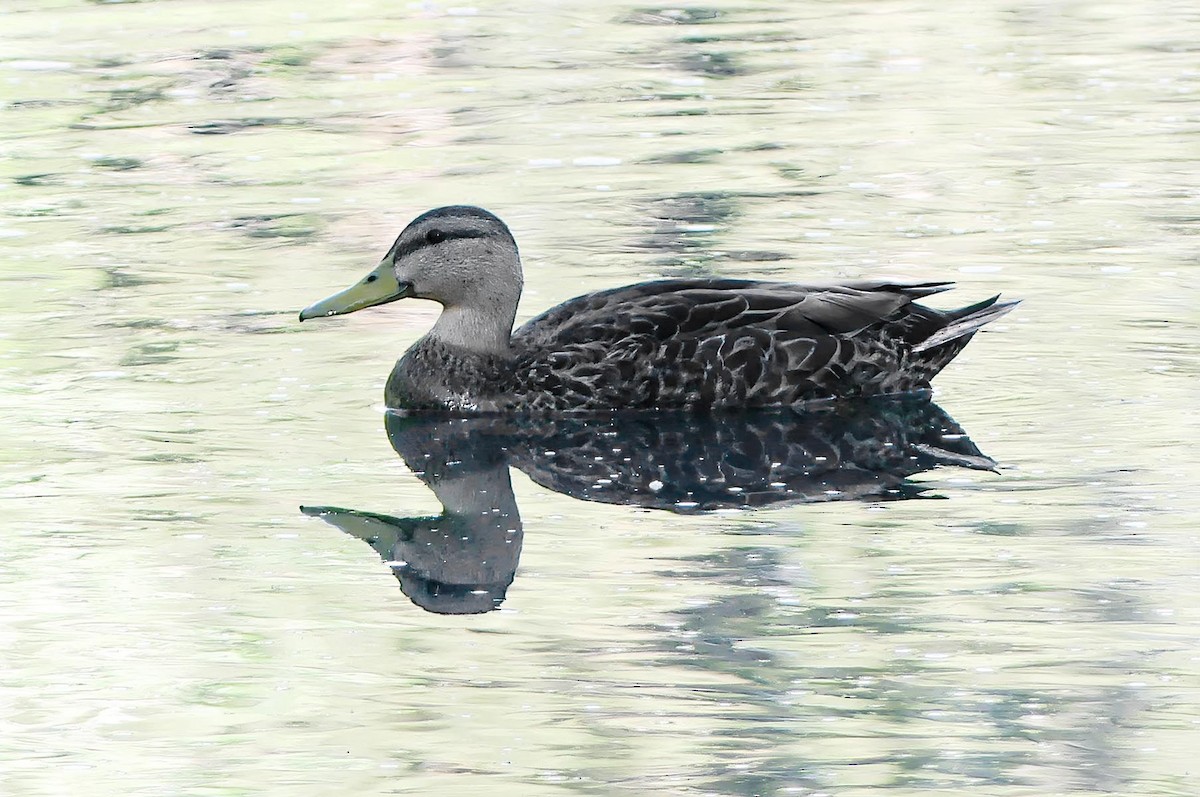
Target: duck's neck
482,329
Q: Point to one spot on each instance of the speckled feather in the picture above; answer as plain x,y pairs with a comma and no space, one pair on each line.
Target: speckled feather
705,345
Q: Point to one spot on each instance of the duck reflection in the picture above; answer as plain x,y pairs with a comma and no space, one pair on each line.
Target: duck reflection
462,561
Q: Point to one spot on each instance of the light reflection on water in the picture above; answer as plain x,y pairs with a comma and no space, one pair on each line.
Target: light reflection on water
177,183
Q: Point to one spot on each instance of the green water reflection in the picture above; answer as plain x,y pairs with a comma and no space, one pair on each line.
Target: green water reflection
178,178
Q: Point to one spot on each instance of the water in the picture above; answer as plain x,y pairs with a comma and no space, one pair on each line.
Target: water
180,178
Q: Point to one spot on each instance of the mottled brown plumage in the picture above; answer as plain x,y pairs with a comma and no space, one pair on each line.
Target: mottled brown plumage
697,344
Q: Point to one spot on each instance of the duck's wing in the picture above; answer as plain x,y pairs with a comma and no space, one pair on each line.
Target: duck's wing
722,342
667,309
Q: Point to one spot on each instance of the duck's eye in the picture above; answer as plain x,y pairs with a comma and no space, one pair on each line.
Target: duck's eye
435,236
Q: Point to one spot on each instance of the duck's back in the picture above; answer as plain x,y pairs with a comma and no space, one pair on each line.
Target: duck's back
707,344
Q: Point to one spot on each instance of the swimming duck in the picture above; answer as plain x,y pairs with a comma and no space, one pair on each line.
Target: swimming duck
695,344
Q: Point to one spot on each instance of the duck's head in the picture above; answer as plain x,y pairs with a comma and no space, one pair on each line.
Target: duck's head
459,256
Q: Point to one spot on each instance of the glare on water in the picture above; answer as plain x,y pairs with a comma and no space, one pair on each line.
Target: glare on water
179,178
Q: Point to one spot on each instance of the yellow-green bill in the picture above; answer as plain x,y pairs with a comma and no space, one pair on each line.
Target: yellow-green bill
378,287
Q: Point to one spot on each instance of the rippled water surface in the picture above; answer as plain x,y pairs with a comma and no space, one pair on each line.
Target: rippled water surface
179,177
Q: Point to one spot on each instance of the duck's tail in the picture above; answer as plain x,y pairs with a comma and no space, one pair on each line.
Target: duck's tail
963,323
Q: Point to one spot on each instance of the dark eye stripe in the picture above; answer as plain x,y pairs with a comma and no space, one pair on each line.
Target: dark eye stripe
406,248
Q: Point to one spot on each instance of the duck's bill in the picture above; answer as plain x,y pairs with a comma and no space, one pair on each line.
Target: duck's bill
378,287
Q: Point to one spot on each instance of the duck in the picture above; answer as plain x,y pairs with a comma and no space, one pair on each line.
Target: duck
694,344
